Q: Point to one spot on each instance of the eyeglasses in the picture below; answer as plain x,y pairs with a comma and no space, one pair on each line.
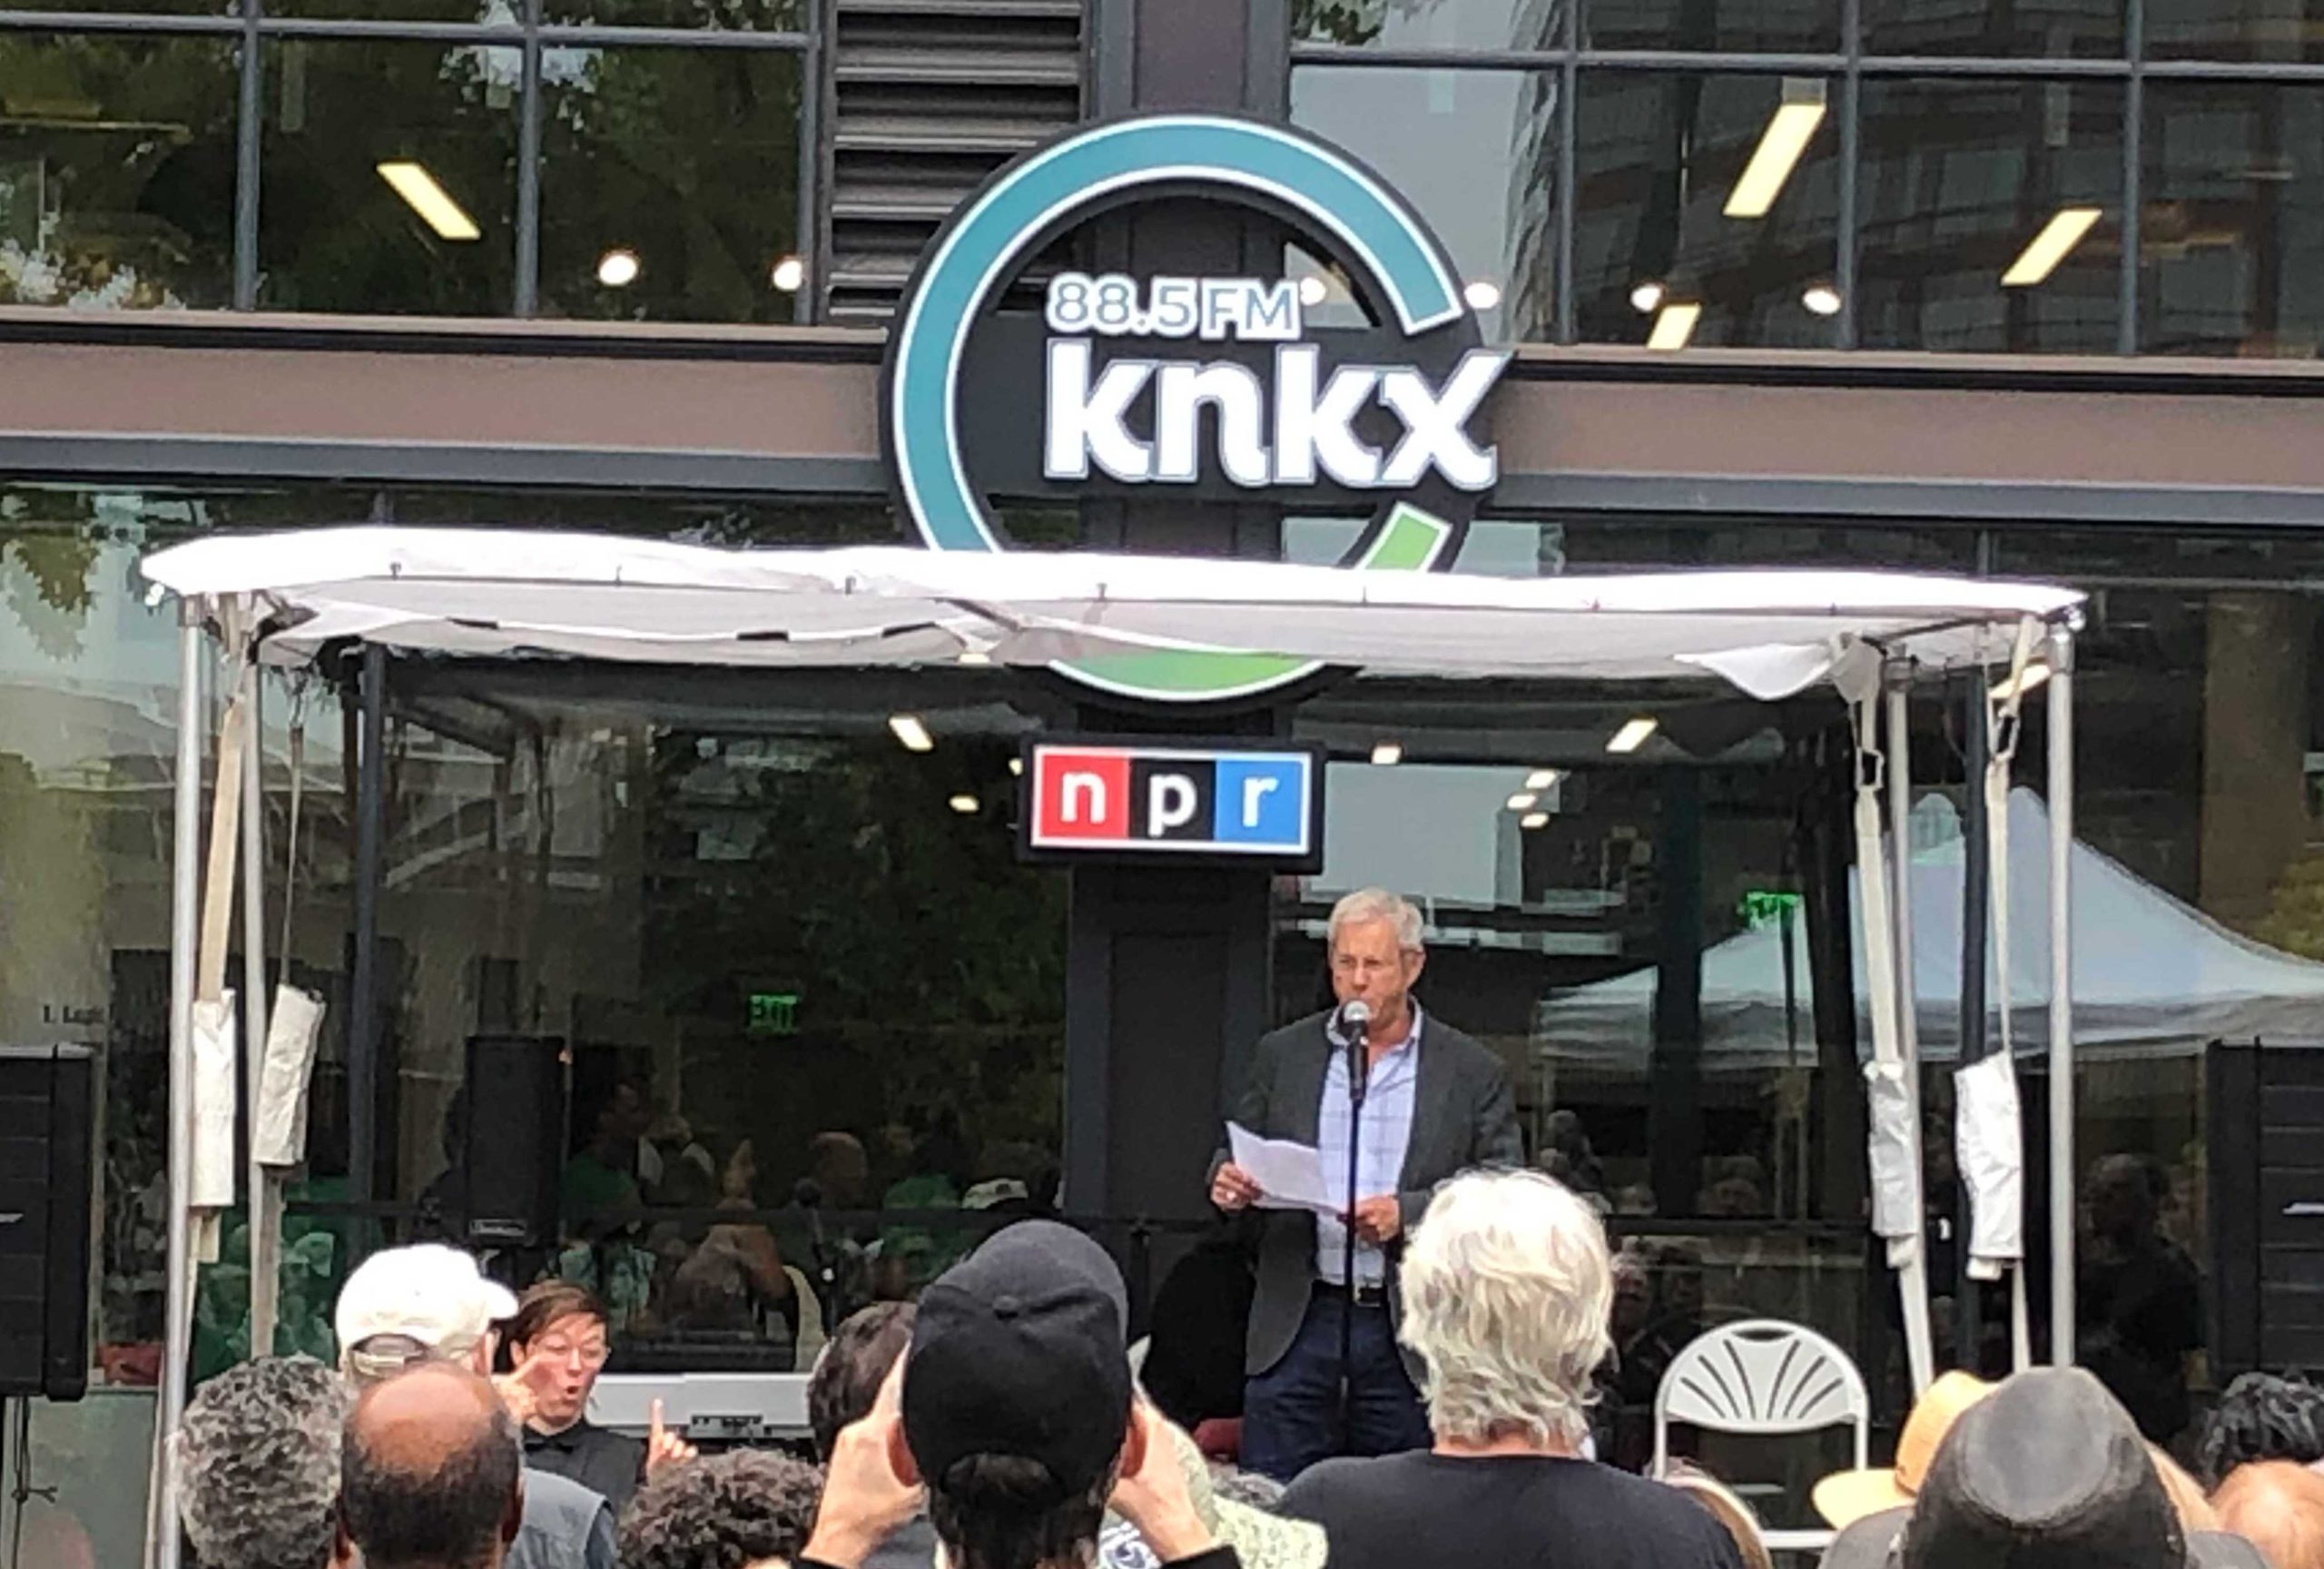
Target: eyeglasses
593,1355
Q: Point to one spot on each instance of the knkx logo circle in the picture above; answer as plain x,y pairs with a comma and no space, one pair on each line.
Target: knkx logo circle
1134,373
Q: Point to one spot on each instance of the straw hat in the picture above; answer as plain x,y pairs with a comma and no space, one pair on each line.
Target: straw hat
1847,1497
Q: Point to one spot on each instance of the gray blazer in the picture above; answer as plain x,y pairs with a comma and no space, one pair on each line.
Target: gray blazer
1463,1115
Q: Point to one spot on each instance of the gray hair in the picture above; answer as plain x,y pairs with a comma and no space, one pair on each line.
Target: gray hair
1508,1290
1368,904
256,1456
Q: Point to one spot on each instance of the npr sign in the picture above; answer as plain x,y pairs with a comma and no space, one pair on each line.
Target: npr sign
1084,798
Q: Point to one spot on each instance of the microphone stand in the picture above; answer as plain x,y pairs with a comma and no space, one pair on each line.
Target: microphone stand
1358,1080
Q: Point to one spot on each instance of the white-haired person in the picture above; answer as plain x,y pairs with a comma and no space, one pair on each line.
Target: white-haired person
1507,1293
1324,1375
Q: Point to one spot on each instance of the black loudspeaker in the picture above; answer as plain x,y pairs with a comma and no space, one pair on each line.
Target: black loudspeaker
513,1143
47,1134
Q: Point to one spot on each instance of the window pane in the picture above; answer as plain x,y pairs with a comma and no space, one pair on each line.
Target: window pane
1661,159
735,16
2232,259
669,183
1967,183
1498,128
1431,24
1999,29
1766,26
800,969
116,172
2235,29
334,234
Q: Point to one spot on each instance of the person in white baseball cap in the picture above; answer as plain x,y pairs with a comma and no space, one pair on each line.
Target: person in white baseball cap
429,1303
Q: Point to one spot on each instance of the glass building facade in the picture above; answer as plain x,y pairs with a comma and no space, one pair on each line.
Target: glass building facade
815,1024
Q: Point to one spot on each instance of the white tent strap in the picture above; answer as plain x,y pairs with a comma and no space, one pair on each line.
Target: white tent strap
1895,1202
1872,871
1990,1137
1893,1149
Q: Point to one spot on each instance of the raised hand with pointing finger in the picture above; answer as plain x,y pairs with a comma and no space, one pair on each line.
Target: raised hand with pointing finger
663,1448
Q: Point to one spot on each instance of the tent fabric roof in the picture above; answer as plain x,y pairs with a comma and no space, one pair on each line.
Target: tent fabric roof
2153,977
491,592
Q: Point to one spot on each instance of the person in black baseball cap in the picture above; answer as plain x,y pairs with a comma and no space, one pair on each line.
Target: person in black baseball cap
1014,1416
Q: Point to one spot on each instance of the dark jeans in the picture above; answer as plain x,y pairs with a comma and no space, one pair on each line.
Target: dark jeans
1293,1415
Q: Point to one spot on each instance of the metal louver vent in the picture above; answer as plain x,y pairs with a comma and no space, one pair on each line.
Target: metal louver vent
927,98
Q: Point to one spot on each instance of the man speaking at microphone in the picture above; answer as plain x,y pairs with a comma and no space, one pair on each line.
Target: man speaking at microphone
1407,1101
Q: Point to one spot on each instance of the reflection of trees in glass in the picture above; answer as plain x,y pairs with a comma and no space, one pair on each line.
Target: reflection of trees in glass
914,933
332,235
691,158
116,171
53,586
1347,21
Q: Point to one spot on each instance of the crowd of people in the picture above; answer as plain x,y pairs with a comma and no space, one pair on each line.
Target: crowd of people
1419,1379
999,1424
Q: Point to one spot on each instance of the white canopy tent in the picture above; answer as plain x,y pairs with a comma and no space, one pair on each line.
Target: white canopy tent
2153,977
287,599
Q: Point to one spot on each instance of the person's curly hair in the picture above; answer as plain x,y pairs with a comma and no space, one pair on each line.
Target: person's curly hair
257,1454
721,1512
2260,1417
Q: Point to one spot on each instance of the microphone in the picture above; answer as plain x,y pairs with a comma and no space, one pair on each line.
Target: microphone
1349,1022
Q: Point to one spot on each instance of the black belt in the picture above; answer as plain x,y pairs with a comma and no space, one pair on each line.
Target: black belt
1363,1295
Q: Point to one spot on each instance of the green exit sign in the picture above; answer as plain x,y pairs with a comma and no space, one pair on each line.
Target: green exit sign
773,1012
1763,909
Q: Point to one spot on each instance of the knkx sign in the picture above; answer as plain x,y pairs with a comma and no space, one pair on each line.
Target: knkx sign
1083,797
1201,388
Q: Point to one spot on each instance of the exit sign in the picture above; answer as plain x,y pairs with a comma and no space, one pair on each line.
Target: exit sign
1092,799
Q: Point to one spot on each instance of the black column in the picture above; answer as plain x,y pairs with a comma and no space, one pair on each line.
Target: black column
1675,1080
1168,970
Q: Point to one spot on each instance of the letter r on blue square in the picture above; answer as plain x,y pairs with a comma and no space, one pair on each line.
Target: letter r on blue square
1261,801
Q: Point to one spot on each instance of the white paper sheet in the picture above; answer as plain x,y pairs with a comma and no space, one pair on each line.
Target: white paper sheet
1290,1176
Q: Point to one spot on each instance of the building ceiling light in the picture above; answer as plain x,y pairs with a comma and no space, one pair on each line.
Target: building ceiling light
1016,766
1633,735
1534,820
1822,299
1524,800
976,656
1646,297
1674,327
790,275
911,732
618,269
965,805
2057,238
1789,130
430,201
1481,295
1543,778
1387,755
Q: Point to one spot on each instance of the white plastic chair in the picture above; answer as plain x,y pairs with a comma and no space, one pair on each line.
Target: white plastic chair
1766,1378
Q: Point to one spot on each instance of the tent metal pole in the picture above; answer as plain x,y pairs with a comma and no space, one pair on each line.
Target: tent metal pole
264,1268
185,871
1898,672
363,1002
1897,676
2061,1156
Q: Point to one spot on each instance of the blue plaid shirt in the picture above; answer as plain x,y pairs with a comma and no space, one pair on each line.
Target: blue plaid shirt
1386,1124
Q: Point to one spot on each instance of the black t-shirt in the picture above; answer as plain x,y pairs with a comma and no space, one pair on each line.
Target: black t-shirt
600,1459
1510,1512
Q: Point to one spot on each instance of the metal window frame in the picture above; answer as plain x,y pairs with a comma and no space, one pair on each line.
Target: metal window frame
532,35
1849,66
